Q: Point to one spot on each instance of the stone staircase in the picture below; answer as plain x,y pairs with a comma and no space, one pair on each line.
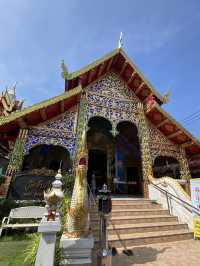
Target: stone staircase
138,221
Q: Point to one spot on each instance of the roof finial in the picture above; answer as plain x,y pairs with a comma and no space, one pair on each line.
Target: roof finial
166,96
120,43
64,72
9,101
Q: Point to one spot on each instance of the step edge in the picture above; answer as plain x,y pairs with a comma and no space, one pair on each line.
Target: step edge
139,210
142,236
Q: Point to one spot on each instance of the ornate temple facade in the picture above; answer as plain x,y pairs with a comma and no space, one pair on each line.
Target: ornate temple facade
129,138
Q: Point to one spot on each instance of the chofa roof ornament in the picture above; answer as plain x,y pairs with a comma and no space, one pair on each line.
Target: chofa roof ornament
9,102
64,73
166,96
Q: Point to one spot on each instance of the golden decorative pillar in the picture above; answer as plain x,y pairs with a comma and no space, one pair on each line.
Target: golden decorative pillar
143,134
77,218
16,161
184,169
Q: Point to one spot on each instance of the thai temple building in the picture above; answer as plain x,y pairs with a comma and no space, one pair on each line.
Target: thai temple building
107,127
128,137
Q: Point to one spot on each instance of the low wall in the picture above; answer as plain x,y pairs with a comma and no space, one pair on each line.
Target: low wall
176,207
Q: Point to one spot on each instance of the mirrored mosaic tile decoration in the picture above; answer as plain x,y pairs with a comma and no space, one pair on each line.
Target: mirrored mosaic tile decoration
113,86
160,145
59,131
64,122
34,140
112,99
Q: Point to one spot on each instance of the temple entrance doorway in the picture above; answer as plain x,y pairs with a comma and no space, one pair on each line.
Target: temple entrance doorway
97,165
115,161
128,178
100,143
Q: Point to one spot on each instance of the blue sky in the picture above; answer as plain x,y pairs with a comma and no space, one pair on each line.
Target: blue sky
162,37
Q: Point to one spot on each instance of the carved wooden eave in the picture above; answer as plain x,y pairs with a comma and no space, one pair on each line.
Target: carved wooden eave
21,122
125,64
43,114
173,130
131,77
100,69
90,75
62,106
162,123
187,144
109,64
171,136
139,88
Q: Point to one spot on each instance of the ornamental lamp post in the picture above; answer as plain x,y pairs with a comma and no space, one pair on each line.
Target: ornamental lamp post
104,256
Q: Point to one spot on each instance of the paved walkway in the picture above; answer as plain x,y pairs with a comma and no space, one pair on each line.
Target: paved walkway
181,253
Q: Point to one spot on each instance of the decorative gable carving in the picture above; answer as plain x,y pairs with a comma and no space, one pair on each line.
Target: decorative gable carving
113,86
111,98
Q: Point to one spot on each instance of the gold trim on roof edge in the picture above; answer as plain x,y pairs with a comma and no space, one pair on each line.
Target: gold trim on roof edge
93,64
7,119
108,56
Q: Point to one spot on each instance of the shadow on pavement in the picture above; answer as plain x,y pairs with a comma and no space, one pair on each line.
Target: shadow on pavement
138,255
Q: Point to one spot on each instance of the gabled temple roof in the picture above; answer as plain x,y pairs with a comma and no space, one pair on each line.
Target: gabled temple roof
40,112
120,63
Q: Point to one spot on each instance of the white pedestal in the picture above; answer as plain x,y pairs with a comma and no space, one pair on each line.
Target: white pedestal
46,250
76,251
